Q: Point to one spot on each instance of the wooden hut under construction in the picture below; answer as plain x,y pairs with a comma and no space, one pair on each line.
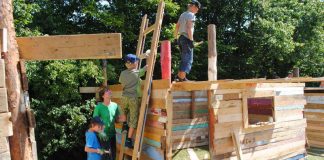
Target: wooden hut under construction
238,119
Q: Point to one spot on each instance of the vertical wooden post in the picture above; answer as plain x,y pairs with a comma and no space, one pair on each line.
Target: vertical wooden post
192,106
212,76
169,107
211,124
212,53
296,72
20,146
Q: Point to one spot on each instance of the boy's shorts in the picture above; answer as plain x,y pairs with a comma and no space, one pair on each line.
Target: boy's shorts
130,107
186,54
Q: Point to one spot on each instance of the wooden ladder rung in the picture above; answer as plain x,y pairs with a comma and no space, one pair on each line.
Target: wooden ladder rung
149,29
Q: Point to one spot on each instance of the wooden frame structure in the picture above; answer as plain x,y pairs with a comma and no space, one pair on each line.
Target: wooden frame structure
223,100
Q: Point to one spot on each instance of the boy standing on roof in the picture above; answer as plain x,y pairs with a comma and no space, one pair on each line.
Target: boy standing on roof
185,27
131,83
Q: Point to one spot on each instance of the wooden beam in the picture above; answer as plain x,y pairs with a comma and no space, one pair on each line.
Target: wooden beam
2,74
237,144
4,40
3,100
6,125
87,46
149,29
212,53
168,150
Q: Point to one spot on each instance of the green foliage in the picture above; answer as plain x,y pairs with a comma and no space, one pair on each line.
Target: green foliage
254,39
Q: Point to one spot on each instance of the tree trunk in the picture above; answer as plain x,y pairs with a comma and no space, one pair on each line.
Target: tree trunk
20,146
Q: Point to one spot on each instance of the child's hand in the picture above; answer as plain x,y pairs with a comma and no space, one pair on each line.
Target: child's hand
145,67
101,151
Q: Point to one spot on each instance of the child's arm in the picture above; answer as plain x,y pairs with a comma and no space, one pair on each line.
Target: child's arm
142,71
92,150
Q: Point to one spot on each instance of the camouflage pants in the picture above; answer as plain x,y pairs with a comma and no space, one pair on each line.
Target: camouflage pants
130,107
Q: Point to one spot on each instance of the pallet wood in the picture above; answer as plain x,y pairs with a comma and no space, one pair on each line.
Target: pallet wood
169,133
3,100
6,125
89,46
2,74
289,100
237,144
4,145
288,115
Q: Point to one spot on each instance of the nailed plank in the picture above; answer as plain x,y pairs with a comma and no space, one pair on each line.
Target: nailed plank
3,100
315,99
227,104
83,46
2,74
6,125
169,133
255,94
288,115
4,145
228,96
289,100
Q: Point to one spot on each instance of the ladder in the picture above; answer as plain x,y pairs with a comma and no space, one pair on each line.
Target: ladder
144,30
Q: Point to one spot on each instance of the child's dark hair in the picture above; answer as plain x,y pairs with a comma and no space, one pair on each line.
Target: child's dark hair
96,121
102,92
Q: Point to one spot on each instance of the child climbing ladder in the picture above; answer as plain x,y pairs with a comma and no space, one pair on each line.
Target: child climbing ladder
156,27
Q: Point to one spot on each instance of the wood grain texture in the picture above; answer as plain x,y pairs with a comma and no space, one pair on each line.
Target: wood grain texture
2,74
87,46
6,125
3,100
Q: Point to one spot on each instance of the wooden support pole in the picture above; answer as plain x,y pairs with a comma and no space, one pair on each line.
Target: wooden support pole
296,72
4,41
169,107
20,146
211,124
104,73
212,53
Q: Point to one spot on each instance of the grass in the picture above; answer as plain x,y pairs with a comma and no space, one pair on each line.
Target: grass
203,154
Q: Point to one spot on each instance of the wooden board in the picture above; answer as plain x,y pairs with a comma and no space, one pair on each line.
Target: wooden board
288,115
6,125
4,145
3,100
86,46
289,100
2,74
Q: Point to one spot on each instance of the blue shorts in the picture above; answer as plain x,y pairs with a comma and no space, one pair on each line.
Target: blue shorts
186,54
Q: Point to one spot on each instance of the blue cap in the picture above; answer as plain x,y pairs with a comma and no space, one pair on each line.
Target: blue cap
97,120
132,58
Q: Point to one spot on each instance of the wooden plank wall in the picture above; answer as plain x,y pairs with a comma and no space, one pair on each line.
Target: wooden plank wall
314,113
281,139
190,119
156,123
5,123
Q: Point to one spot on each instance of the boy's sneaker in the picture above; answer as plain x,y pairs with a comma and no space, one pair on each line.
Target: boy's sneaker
129,143
178,79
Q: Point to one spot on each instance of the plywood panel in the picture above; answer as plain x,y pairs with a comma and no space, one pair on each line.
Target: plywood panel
227,104
6,125
87,46
3,100
2,74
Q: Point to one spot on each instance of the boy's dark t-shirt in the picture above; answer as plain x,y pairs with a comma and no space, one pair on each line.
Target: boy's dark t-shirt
92,142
